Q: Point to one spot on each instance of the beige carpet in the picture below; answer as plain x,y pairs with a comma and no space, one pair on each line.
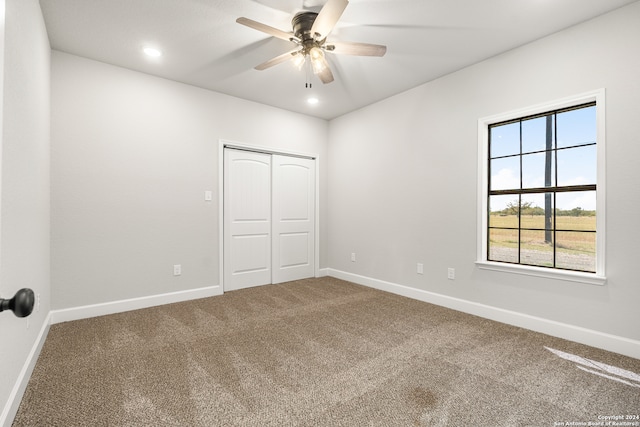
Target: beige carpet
318,352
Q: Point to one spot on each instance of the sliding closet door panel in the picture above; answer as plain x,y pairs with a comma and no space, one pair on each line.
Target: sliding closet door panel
247,216
293,218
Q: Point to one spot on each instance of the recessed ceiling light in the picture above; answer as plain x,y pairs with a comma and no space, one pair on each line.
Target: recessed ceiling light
312,101
152,52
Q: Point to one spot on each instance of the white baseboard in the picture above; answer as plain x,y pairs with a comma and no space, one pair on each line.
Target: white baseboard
15,397
614,343
87,311
323,272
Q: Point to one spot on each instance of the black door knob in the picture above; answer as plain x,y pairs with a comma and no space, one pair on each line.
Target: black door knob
21,304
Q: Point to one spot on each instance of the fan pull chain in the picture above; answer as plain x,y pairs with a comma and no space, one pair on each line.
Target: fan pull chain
307,83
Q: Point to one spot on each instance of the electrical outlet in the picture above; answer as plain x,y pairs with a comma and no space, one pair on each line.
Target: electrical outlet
37,302
451,273
353,257
420,268
177,270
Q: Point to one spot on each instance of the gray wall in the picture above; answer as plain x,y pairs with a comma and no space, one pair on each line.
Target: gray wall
132,156
24,184
403,183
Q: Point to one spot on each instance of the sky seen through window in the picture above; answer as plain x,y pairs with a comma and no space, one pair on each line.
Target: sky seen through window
575,166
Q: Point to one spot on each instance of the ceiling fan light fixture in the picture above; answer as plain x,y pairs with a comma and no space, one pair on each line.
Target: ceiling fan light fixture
310,32
317,59
299,60
316,53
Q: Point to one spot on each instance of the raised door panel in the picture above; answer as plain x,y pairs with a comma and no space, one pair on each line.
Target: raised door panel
293,218
247,216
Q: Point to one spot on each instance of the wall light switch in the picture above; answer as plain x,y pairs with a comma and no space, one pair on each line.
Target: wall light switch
353,257
420,268
208,196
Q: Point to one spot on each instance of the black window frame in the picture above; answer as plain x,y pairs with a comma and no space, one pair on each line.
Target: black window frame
552,189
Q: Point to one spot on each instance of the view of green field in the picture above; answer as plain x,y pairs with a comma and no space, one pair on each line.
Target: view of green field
575,249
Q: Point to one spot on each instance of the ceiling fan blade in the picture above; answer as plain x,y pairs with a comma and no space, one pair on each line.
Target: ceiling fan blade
266,29
277,60
328,17
325,75
355,48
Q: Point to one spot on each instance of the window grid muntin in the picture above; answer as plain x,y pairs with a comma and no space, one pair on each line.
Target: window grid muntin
586,144
552,189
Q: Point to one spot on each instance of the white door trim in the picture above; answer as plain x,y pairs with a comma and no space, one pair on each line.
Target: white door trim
222,143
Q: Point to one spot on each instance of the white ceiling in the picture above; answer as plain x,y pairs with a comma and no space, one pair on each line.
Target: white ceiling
205,47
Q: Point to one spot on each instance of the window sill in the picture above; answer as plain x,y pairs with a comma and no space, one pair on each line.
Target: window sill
526,270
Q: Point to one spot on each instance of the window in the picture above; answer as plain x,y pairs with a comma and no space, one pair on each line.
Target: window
542,198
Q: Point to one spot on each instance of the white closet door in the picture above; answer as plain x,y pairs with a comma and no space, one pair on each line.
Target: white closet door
247,216
293,209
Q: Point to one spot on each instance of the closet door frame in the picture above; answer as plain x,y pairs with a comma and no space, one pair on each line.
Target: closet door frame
222,144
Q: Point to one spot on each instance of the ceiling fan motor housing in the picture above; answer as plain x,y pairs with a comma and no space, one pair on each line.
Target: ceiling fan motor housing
302,23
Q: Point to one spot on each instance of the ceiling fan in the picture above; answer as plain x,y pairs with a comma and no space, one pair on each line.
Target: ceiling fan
310,31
